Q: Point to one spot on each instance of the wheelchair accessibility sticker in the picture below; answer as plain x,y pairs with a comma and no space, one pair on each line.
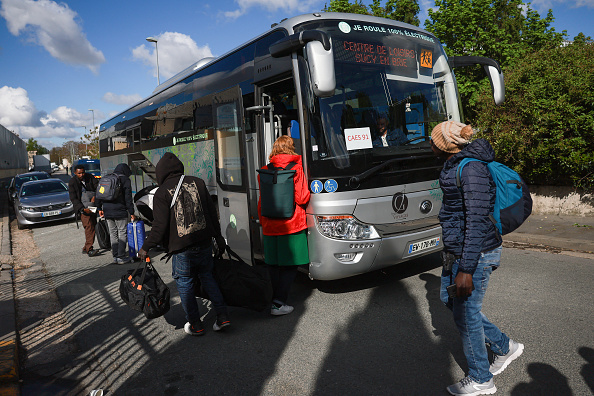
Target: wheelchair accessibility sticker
316,186
331,185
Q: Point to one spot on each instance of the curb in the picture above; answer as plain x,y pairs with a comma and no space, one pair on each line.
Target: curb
551,242
9,363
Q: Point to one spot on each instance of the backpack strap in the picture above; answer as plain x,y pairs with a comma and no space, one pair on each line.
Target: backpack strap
179,183
459,182
459,170
273,168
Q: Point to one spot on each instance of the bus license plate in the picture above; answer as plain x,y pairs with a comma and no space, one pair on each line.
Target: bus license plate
423,245
52,213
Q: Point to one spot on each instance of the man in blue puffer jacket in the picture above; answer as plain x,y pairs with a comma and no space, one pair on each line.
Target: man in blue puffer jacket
472,245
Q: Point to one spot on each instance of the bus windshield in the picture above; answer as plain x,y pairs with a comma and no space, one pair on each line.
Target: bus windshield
392,86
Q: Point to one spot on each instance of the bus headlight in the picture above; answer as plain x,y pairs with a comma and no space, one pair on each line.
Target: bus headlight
345,227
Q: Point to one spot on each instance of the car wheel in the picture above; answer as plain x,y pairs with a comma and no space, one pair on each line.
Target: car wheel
21,226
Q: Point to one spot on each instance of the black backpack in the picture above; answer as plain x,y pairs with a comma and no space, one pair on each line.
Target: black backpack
277,191
109,187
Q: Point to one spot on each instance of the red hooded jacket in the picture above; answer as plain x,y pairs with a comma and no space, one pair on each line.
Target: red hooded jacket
298,221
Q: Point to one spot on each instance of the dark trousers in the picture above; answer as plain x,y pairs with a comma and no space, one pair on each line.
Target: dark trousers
281,277
89,223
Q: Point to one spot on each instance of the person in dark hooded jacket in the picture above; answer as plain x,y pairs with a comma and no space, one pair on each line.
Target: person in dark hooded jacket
185,227
117,213
472,251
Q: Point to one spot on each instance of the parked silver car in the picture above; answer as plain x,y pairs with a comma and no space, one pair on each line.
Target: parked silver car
40,201
18,180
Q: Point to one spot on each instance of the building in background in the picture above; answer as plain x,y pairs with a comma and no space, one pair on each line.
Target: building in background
13,154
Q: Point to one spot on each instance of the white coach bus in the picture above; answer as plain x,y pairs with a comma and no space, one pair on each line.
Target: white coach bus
327,80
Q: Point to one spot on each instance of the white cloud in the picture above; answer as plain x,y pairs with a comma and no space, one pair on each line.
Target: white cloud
122,100
52,26
176,52
17,109
289,6
18,113
542,6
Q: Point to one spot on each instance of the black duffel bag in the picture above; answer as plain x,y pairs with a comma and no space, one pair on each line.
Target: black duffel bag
145,291
242,285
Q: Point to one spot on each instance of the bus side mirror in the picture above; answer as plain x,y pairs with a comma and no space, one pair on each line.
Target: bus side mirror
319,56
492,69
321,69
497,85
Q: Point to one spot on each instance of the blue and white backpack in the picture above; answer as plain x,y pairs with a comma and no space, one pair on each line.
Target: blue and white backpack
513,203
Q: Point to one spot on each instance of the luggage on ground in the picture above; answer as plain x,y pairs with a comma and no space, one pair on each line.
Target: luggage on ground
277,191
145,291
135,233
513,203
102,233
109,187
241,284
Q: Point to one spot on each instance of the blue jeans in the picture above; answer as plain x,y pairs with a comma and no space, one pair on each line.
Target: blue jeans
189,264
475,329
118,235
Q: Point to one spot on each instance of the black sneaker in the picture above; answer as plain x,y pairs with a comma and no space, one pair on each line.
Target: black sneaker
221,322
92,252
195,329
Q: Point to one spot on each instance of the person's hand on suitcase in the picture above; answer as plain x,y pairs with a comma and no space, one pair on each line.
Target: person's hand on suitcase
142,254
221,244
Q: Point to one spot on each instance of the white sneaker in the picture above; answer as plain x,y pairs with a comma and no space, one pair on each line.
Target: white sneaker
282,310
501,362
469,387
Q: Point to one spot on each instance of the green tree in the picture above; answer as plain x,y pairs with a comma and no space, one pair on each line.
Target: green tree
504,30
33,145
399,10
357,7
91,142
545,128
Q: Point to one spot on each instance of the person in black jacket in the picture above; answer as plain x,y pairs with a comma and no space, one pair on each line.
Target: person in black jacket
185,226
81,188
117,213
472,251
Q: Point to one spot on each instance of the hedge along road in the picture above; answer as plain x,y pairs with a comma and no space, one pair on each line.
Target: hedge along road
381,333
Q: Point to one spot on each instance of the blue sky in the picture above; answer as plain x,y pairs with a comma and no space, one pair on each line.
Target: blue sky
58,59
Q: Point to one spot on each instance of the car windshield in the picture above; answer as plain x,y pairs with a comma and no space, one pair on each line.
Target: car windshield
18,182
45,188
92,167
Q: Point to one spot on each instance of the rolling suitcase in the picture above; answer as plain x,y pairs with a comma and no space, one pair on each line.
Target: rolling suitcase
102,233
135,237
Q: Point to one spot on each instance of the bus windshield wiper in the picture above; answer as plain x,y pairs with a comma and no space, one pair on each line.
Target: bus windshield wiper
357,179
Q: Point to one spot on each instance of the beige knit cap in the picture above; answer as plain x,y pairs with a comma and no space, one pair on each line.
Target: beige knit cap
449,136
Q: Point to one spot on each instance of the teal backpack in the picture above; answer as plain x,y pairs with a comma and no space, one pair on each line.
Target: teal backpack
513,203
277,191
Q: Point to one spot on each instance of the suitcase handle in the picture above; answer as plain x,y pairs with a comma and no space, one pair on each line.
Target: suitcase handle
232,254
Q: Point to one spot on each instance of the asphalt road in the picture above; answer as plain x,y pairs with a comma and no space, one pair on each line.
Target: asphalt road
384,333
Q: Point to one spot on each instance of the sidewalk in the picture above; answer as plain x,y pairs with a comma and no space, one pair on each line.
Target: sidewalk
556,232
9,378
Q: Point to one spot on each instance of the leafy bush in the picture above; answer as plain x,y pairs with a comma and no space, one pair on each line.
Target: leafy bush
545,128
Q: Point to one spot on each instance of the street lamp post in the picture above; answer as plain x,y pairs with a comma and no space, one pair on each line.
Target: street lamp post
86,144
154,40
93,128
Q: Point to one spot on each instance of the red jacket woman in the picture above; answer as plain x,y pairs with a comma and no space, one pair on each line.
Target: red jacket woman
285,240
298,221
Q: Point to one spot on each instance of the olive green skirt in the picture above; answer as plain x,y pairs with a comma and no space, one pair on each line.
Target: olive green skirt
288,249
